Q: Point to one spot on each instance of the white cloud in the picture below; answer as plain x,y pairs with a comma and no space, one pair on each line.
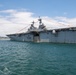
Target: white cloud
8,11
14,20
67,21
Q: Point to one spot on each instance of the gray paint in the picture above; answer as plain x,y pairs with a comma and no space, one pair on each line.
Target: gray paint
63,36
67,36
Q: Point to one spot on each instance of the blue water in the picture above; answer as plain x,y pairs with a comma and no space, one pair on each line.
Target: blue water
24,58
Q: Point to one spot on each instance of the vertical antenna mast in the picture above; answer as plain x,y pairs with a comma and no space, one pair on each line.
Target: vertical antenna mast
33,22
40,20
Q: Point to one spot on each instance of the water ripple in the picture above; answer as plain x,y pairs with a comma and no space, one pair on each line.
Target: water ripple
24,58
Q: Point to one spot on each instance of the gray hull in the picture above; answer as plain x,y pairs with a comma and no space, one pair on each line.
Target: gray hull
59,36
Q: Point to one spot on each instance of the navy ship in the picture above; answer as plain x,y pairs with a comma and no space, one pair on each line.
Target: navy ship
42,34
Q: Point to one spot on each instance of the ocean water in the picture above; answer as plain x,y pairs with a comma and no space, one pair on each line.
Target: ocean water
24,58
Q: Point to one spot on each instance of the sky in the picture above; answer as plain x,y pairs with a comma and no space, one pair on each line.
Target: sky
16,15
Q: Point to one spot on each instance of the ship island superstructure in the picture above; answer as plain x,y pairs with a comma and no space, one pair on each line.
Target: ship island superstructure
42,34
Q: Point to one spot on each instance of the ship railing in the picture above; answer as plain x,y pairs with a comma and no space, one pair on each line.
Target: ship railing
37,30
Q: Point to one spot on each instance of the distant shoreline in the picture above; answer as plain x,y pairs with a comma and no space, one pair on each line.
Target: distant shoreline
4,38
